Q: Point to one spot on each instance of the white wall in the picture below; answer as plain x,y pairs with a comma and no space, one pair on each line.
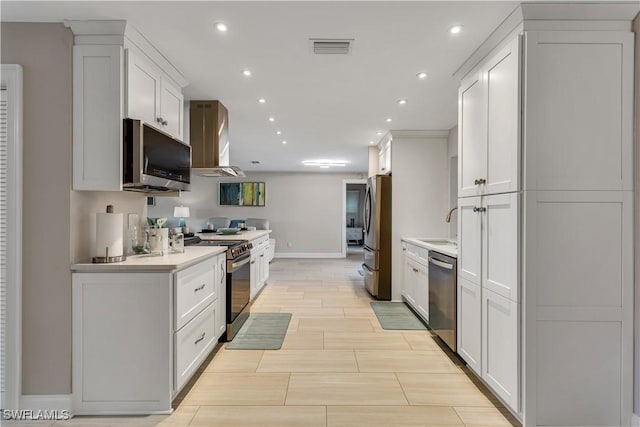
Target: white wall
419,193
452,168
303,209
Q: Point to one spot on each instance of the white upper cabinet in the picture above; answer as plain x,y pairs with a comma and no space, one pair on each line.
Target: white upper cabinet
151,97
489,126
117,74
472,141
503,120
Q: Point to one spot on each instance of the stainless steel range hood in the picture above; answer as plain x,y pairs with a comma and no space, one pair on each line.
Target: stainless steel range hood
209,138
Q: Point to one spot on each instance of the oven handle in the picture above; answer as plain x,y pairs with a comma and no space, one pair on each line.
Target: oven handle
240,263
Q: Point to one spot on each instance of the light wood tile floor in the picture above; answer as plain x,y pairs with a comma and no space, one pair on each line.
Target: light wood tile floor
337,367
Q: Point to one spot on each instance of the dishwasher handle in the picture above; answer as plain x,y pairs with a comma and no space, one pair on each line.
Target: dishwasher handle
441,264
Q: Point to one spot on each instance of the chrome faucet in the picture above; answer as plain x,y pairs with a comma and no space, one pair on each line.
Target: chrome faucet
448,217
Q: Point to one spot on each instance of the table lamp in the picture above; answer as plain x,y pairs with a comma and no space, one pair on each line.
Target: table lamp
182,212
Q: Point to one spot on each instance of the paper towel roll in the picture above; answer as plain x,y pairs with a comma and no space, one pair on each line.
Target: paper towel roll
109,237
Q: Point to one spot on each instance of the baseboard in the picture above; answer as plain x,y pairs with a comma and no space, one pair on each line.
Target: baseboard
46,406
308,255
635,420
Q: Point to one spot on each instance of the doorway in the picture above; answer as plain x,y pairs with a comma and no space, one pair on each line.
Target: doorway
353,216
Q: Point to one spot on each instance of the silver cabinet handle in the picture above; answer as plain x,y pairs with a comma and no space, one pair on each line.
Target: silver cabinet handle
480,181
201,338
415,270
481,209
441,263
253,262
164,122
159,120
404,249
262,256
222,273
199,288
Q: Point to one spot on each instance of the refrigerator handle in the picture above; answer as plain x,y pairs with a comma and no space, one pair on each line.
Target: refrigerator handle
366,267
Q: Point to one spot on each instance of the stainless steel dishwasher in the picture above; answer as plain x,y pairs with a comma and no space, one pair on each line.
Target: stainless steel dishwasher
443,297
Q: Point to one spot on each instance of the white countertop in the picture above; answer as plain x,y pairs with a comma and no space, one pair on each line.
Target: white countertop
450,248
241,235
169,262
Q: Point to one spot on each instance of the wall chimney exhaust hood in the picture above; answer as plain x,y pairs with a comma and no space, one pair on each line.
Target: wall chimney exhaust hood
209,137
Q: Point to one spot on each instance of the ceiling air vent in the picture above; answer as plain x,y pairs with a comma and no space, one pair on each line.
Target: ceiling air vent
331,46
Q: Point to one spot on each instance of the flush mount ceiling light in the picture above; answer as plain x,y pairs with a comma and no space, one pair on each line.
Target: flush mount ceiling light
388,120
271,119
421,75
220,26
326,163
262,100
402,101
246,72
455,29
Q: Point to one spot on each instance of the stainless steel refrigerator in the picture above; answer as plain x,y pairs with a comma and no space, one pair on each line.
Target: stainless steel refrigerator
377,237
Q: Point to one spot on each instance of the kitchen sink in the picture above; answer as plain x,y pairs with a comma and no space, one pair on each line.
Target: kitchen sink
436,241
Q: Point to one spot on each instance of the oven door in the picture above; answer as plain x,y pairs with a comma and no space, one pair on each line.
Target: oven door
238,293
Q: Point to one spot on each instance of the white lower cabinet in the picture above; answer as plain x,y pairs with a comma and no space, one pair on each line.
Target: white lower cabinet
138,336
500,346
415,288
259,269
469,324
221,283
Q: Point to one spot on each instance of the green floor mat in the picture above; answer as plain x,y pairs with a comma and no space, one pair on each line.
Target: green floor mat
261,331
396,316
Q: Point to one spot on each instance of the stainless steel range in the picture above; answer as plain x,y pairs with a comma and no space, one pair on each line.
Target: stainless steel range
238,280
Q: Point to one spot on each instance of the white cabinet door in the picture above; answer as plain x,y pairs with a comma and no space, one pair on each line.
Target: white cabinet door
469,323
98,85
501,245
409,281
171,109
143,89
254,272
500,322
472,142
221,310
470,239
422,291
503,120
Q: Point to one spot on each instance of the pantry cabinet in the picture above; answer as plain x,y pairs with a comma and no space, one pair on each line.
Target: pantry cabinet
117,74
545,194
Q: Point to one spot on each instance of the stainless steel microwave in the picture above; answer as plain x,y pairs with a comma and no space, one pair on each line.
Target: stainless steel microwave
153,161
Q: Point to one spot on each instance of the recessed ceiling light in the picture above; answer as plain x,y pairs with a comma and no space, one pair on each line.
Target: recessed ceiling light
455,29
271,119
325,163
221,27
371,142
278,132
421,75
378,133
262,100
246,72
402,101
284,142
388,120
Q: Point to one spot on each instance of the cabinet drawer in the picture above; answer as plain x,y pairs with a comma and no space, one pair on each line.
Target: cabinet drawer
417,252
195,288
193,343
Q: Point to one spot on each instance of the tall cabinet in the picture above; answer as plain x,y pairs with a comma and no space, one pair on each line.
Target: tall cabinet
545,265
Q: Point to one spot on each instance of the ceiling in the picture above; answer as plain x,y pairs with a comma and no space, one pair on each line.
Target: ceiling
326,106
